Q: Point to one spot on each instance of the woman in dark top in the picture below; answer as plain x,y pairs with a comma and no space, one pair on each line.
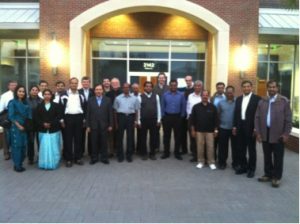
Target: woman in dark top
33,101
47,119
18,112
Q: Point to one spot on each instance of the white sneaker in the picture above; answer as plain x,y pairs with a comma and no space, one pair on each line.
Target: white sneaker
212,166
200,165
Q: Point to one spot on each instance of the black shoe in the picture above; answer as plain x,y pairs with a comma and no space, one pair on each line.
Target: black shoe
120,160
69,164
30,162
105,161
111,155
165,156
178,157
250,174
20,169
193,160
275,183
7,156
79,162
129,159
240,171
144,157
222,167
92,162
152,157
264,179
183,152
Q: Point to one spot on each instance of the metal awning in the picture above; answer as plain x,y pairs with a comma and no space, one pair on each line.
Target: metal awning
19,15
278,21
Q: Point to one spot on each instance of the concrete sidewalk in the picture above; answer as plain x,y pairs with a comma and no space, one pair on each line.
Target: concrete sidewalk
147,191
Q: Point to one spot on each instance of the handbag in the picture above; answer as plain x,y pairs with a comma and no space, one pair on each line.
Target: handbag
4,121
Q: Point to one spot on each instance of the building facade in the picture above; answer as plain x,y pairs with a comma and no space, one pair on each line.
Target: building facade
133,40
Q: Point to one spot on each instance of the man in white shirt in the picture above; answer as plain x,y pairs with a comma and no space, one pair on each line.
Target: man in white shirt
244,115
4,100
193,98
74,111
42,86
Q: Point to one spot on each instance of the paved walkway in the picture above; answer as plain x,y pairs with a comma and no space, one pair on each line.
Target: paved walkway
147,191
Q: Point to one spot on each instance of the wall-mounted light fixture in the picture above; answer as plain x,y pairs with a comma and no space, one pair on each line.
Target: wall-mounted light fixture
242,59
55,54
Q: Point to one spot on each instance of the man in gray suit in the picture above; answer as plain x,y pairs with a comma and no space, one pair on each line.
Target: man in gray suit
99,122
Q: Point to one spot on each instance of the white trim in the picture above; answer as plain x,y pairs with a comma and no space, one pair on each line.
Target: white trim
21,5
19,26
198,14
278,31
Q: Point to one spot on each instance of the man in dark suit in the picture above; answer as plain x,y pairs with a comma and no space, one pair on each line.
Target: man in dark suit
99,122
243,127
87,92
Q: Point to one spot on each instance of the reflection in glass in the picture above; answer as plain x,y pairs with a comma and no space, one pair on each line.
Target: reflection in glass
13,48
263,52
188,50
262,70
112,48
33,71
109,69
182,68
149,49
282,53
33,48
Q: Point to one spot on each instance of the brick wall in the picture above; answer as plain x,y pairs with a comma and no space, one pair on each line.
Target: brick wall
242,16
293,144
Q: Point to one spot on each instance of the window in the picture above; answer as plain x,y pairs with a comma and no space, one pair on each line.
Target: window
280,62
129,59
19,60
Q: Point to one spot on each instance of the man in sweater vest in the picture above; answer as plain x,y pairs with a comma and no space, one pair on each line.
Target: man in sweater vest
150,115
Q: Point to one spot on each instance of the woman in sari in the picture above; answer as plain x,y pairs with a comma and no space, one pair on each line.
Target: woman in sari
47,119
18,112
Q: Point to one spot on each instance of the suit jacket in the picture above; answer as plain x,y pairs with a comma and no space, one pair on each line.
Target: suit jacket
52,116
99,117
91,93
281,118
250,114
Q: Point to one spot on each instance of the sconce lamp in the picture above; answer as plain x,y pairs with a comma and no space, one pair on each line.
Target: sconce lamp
55,54
242,59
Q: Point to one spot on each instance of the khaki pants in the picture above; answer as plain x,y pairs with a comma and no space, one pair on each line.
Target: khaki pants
207,138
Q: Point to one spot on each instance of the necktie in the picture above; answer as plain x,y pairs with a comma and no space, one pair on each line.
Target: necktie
269,112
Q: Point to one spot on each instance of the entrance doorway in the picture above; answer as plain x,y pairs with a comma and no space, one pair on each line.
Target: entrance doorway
142,77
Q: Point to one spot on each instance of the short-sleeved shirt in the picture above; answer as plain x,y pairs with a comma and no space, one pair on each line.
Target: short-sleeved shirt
126,104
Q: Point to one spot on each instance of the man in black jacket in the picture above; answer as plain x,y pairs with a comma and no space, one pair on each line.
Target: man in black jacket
244,115
99,122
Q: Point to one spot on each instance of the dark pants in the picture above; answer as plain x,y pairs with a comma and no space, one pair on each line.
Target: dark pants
273,152
6,141
183,134
138,140
125,123
73,136
171,122
30,144
89,144
99,144
151,126
224,136
64,139
193,145
157,138
246,142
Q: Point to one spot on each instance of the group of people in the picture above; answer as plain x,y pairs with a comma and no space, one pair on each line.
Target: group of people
97,119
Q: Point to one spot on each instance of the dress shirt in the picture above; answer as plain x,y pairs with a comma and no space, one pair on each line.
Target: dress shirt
126,104
86,93
73,105
193,99
157,104
56,97
218,98
4,100
174,103
99,100
40,94
246,99
271,100
226,113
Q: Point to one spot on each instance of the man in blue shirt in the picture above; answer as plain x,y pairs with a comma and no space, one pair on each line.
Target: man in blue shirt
226,115
173,110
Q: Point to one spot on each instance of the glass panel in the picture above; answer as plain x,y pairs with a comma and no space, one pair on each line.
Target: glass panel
12,69
295,96
148,66
13,48
109,69
33,48
262,70
263,52
282,53
112,48
188,50
182,68
149,49
33,71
